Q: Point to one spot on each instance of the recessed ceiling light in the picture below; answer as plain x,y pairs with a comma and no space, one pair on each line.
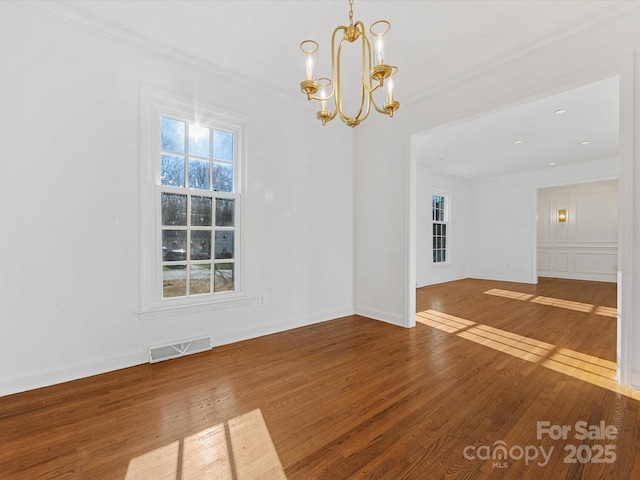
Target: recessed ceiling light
518,142
586,142
551,164
560,111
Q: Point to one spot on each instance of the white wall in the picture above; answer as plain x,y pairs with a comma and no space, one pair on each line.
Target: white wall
494,221
381,223
69,203
585,245
459,234
505,235
384,165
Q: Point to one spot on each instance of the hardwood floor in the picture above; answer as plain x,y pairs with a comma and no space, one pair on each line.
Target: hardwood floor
357,399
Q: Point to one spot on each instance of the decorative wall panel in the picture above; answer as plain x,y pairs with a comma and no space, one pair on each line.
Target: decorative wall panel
585,246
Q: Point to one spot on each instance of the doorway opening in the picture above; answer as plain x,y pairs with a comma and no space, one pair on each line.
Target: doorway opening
497,188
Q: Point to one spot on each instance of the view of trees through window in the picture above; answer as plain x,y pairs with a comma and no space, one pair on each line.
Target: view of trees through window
198,209
438,217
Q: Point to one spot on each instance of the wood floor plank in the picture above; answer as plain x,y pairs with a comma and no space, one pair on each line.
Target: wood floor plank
354,398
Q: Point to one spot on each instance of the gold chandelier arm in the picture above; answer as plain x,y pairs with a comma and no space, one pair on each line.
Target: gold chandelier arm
335,87
315,97
351,34
378,109
372,77
367,111
335,68
365,56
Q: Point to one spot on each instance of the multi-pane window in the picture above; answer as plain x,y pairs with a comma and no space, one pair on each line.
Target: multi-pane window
198,203
439,225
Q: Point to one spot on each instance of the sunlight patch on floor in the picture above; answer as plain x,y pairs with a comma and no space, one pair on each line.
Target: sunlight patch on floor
566,304
442,321
556,302
606,311
239,449
523,347
161,464
597,371
508,294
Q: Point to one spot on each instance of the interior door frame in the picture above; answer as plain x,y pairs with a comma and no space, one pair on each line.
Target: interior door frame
623,67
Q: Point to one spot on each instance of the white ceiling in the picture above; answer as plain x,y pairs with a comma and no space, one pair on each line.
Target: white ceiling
486,146
434,44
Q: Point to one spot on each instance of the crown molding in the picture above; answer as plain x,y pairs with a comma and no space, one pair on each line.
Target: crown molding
64,14
70,16
614,14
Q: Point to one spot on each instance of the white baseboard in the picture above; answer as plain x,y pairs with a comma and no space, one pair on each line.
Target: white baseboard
438,281
611,278
269,329
68,373
54,376
381,316
504,278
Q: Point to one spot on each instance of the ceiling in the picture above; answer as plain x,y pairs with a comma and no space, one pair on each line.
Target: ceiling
529,136
434,43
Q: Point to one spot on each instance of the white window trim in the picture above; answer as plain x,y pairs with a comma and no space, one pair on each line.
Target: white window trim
155,103
447,222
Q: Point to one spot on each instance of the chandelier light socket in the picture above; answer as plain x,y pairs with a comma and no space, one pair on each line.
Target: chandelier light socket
380,72
391,107
309,87
323,116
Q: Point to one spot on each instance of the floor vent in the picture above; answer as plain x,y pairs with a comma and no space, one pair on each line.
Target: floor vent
175,350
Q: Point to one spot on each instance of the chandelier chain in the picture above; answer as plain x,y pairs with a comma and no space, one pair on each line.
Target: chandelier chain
350,12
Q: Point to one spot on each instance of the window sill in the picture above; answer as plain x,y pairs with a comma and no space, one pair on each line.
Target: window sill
441,265
191,308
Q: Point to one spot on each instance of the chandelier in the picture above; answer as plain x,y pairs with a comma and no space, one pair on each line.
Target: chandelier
375,72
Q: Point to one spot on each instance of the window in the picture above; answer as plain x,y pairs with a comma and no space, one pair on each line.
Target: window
439,217
197,204
191,206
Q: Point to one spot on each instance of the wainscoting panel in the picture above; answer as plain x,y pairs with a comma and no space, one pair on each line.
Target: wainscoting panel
544,262
558,261
583,245
596,263
562,262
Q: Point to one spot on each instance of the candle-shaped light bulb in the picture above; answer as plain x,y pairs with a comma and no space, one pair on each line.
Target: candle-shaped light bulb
380,35
323,98
390,90
379,50
324,92
310,50
309,65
